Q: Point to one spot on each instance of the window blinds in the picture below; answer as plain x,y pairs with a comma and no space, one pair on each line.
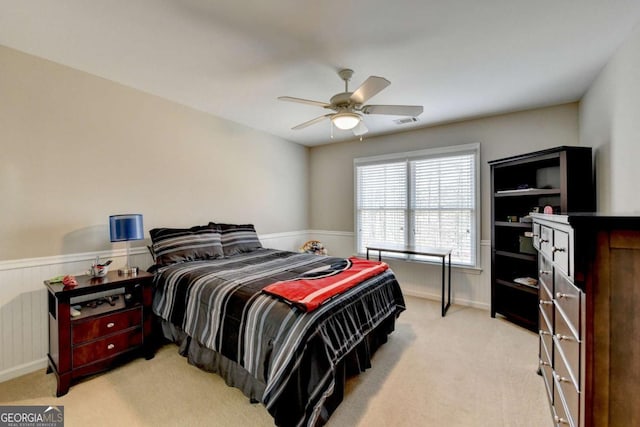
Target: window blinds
421,201
382,203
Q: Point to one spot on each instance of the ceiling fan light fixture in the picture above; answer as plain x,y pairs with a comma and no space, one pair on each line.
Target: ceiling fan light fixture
346,120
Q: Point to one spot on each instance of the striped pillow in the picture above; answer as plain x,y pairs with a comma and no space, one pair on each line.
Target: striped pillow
172,245
238,238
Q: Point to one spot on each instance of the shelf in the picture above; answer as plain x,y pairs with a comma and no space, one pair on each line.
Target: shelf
526,288
518,255
103,308
527,225
538,192
560,177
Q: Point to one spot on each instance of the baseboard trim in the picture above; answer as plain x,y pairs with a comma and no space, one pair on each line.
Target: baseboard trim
438,297
18,371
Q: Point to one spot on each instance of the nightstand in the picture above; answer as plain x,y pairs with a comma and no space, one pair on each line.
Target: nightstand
114,324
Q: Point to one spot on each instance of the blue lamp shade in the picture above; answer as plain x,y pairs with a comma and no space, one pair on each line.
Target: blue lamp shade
126,227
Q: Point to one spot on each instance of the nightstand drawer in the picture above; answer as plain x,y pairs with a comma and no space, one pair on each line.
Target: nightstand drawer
106,347
94,328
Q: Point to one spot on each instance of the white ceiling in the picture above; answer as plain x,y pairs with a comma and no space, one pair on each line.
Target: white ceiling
458,58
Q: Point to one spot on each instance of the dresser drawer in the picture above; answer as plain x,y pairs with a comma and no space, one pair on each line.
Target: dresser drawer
569,389
561,250
546,240
561,418
536,235
545,275
546,343
567,298
566,347
106,347
545,319
93,328
547,374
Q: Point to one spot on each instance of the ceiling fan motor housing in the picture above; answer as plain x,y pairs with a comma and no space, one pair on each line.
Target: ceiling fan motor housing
342,100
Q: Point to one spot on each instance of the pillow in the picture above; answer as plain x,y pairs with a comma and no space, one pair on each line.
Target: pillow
172,245
238,238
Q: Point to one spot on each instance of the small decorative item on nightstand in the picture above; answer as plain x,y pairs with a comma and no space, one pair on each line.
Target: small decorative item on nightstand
126,228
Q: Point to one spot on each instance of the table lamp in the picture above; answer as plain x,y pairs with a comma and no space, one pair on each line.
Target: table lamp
124,228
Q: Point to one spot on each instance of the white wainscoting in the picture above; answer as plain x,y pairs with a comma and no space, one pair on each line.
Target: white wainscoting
23,302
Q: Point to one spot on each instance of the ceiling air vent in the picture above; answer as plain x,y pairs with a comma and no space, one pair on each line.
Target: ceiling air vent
405,120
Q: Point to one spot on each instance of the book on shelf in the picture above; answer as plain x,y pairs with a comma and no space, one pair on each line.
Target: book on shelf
516,190
528,281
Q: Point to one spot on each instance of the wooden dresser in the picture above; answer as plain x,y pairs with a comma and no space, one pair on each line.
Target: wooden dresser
589,294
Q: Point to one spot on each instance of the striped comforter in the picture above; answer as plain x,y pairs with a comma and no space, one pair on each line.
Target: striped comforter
220,304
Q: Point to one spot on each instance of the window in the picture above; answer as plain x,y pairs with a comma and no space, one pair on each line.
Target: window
426,198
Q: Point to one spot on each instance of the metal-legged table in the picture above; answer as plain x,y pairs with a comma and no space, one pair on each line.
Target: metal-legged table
442,253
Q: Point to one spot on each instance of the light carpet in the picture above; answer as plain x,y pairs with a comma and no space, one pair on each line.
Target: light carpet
465,369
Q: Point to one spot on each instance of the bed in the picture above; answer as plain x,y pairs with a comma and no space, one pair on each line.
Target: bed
211,298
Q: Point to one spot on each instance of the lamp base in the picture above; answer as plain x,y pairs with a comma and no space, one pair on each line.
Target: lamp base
128,271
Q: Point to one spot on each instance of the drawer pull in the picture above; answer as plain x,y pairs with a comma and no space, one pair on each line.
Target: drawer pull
555,249
560,295
544,241
561,379
543,363
110,325
559,420
560,337
544,302
543,332
111,346
543,272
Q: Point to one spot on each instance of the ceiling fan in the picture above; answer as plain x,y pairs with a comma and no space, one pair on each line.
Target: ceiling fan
348,106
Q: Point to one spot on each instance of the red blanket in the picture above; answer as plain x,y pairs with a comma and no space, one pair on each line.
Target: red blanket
314,288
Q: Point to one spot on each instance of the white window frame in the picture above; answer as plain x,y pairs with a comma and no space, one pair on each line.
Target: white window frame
408,156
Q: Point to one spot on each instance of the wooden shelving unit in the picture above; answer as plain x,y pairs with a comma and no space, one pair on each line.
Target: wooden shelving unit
560,177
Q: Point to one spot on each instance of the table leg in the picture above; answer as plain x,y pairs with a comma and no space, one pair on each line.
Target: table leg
447,304
449,299
443,293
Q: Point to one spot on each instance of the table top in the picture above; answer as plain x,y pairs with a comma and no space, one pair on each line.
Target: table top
87,284
441,252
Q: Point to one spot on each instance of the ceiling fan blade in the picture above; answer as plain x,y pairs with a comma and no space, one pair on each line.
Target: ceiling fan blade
369,88
394,110
361,129
311,122
303,101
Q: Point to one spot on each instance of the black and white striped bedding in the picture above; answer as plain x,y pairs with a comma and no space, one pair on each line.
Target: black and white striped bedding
219,304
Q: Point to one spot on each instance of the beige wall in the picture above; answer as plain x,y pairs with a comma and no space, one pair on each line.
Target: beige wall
331,166
610,122
77,148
